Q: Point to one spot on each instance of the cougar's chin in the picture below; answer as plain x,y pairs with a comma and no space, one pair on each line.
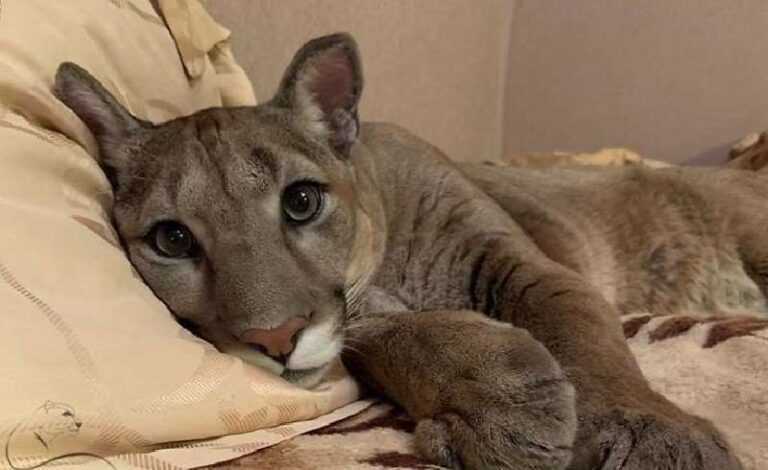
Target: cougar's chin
306,378
318,345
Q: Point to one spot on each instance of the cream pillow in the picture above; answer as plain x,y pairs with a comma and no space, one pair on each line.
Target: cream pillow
90,360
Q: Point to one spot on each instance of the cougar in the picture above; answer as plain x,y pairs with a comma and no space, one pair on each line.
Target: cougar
485,301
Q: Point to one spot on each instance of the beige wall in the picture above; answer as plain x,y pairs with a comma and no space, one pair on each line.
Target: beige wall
433,66
674,79
678,80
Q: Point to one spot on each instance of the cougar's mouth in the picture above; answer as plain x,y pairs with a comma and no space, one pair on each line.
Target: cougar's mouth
314,351
227,343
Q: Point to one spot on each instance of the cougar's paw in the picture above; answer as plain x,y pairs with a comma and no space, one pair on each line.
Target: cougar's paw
631,440
481,428
454,441
485,395
450,442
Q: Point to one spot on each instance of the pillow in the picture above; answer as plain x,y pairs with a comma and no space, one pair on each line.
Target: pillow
90,360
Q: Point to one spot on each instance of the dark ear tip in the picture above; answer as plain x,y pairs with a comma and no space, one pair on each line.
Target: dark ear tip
76,88
341,38
67,74
68,68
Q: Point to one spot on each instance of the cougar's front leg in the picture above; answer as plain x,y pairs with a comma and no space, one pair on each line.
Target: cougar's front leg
623,424
486,395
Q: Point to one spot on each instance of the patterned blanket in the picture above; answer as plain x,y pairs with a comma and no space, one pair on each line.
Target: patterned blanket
713,366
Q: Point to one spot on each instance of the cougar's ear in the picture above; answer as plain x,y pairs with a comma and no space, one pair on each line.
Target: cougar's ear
110,123
323,85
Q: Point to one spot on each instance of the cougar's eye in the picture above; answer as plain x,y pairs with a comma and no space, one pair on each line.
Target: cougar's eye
302,202
173,240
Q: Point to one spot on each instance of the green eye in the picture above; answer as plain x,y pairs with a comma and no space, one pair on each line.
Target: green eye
173,240
302,202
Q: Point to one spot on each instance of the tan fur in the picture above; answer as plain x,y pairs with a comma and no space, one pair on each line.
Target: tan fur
516,358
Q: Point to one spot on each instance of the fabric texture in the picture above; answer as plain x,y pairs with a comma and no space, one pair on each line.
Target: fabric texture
90,360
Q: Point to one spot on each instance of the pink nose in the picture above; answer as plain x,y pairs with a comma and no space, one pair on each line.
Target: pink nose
277,342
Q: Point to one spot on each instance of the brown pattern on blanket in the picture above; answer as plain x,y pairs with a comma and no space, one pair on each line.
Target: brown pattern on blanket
633,325
377,438
719,328
733,329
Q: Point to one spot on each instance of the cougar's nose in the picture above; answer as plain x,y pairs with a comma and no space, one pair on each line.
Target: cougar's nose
276,342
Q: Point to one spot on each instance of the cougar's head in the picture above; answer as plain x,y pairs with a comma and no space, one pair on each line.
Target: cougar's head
248,222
